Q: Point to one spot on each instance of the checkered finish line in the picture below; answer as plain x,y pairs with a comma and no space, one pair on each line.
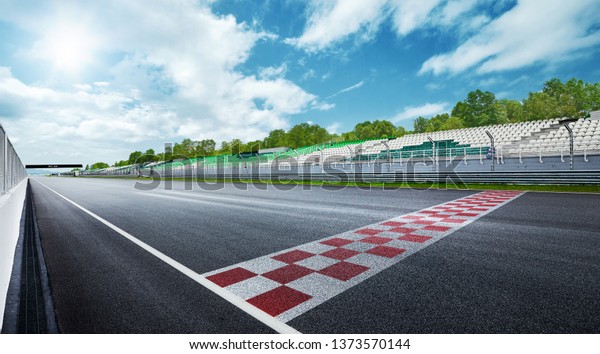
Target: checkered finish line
288,283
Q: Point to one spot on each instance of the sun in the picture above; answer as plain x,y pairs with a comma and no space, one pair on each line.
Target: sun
70,48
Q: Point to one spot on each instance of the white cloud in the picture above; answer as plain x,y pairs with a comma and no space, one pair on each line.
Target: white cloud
426,110
273,72
47,121
434,86
330,22
309,74
335,20
83,87
353,87
177,77
490,81
348,89
410,14
323,106
454,9
531,32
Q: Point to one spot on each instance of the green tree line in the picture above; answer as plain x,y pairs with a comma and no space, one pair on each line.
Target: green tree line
573,99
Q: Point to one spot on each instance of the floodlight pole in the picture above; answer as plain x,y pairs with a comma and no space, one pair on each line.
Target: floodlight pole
349,155
493,149
388,152
321,160
433,153
566,124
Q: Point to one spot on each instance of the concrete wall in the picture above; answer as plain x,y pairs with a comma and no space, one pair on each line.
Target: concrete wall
11,208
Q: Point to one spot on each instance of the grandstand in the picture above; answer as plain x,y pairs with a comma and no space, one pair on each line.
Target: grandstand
540,139
546,137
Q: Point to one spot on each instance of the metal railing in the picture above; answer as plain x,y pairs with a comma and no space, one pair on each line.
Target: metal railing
583,177
12,170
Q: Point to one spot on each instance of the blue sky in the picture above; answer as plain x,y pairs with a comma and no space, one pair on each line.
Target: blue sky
92,81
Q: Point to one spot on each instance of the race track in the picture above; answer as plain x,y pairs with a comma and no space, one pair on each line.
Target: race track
512,263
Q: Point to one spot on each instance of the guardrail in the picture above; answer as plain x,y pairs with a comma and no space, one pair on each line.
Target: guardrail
521,177
550,170
12,170
579,177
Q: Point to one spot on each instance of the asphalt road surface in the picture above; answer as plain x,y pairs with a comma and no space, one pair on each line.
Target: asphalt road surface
532,265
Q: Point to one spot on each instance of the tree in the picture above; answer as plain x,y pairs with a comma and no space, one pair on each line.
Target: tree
540,105
435,123
253,146
168,154
554,88
237,146
376,129
478,109
225,148
305,134
514,110
501,114
574,98
452,123
400,131
593,97
185,148
206,147
134,157
583,97
148,156
420,125
99,165
349,136
276,138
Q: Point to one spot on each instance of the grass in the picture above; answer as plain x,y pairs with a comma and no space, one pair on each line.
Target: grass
395,185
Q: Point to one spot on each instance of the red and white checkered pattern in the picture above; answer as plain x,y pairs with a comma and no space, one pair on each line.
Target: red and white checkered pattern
288,283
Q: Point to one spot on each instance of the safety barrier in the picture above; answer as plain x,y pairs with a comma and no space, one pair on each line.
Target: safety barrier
549,177
521,177
12,170
12,196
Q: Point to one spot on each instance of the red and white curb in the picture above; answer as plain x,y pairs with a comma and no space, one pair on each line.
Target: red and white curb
288,283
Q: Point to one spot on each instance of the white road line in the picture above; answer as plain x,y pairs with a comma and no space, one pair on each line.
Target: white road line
272,322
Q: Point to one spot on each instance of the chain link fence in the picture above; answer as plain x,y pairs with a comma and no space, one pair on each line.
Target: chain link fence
12,170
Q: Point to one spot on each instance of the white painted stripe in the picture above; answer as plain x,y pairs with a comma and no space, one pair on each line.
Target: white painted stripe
272,322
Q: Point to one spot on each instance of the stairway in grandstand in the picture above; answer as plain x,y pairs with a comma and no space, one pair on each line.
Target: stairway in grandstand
546,127
554,139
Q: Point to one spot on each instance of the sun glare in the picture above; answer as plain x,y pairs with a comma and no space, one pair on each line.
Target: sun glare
69,48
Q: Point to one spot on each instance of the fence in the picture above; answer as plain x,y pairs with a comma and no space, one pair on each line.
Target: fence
12,170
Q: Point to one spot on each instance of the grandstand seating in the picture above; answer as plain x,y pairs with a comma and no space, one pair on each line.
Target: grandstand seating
586,136
548,137
443,148
544,137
